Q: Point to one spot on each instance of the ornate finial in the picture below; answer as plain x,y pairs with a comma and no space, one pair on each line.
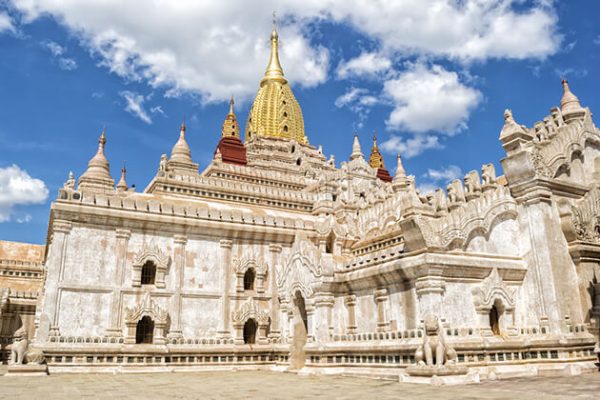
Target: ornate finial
122,185
231,102
356,149
102,139
182,126
274,70
569,102
274,31
376,160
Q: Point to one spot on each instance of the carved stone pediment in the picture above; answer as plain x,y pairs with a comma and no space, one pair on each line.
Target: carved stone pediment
146,307
242,264
581,221
250,310
302,271
491,289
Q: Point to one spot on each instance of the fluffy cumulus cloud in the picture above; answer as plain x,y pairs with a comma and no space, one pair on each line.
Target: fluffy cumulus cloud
6,23
436,178
429,99
134,105
215,49
17,188
365,65
412,146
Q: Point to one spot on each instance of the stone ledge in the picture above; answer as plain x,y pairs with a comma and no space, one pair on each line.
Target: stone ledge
27,370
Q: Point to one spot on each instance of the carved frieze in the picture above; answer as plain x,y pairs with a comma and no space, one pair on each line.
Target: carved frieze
491,289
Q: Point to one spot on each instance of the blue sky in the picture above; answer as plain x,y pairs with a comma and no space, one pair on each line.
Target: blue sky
432,77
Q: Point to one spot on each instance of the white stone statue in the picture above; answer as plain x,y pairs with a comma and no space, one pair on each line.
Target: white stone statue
163,163
20,351
434,351
488,174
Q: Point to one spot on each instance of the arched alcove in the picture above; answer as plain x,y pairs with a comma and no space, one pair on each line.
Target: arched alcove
144,332
249,279
148,273
250,328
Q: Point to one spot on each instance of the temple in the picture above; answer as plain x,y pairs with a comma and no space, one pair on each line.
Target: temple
274,257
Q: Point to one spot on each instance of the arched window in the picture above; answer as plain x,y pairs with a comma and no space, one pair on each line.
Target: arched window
249,279
495,320
250,331
148,273
285,128
329,244
298,161
144,332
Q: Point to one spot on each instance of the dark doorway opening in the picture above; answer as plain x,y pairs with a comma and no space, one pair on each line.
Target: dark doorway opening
144,332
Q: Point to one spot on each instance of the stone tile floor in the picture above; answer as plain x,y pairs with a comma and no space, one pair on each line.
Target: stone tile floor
272,385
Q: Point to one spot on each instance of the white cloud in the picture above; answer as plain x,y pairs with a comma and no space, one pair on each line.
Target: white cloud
597,40
216,50
436,178
366,64
410,147
17,188
58,52
447,174
6,23
135,105
359,101
429,99
157,110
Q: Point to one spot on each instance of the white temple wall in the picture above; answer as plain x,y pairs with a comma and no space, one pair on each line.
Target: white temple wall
200,317
90,257
504,240
202,269
83,313
458,307
366,313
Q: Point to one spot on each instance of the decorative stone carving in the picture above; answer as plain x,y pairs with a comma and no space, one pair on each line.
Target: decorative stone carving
250,309
488,174
22,352
472,184
243,264
153,254
491,289
146,307
434,350
581,221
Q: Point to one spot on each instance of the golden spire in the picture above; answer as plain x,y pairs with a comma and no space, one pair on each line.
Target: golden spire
230,125
275,112
376,160
274,71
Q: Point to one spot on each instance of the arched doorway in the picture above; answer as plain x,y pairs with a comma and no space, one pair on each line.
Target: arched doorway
250,328
144,332
495,317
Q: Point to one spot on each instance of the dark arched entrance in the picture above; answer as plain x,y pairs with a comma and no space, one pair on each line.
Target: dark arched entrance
250,328
495,320
144,332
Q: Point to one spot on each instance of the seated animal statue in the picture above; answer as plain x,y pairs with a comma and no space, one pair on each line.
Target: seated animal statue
21,352
19,346
434,351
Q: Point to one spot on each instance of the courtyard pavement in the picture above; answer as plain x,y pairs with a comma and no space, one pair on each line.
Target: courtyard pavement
272,385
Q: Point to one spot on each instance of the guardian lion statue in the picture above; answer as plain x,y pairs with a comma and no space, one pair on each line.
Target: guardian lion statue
434,351
21,352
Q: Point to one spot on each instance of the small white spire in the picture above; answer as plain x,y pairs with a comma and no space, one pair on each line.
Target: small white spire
356,149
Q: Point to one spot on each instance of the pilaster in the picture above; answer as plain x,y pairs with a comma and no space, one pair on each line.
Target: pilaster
275,251
224,328
350,302
61,230
381,299
115,328
179,262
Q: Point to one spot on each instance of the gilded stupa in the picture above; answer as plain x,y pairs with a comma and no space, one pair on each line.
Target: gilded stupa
275,111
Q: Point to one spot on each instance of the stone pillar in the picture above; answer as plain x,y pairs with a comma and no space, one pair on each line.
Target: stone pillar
275,251
430,295
115,328
224,330
323,321
310,320
262,332
284,319
350,301
381,298
179,266
54,274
